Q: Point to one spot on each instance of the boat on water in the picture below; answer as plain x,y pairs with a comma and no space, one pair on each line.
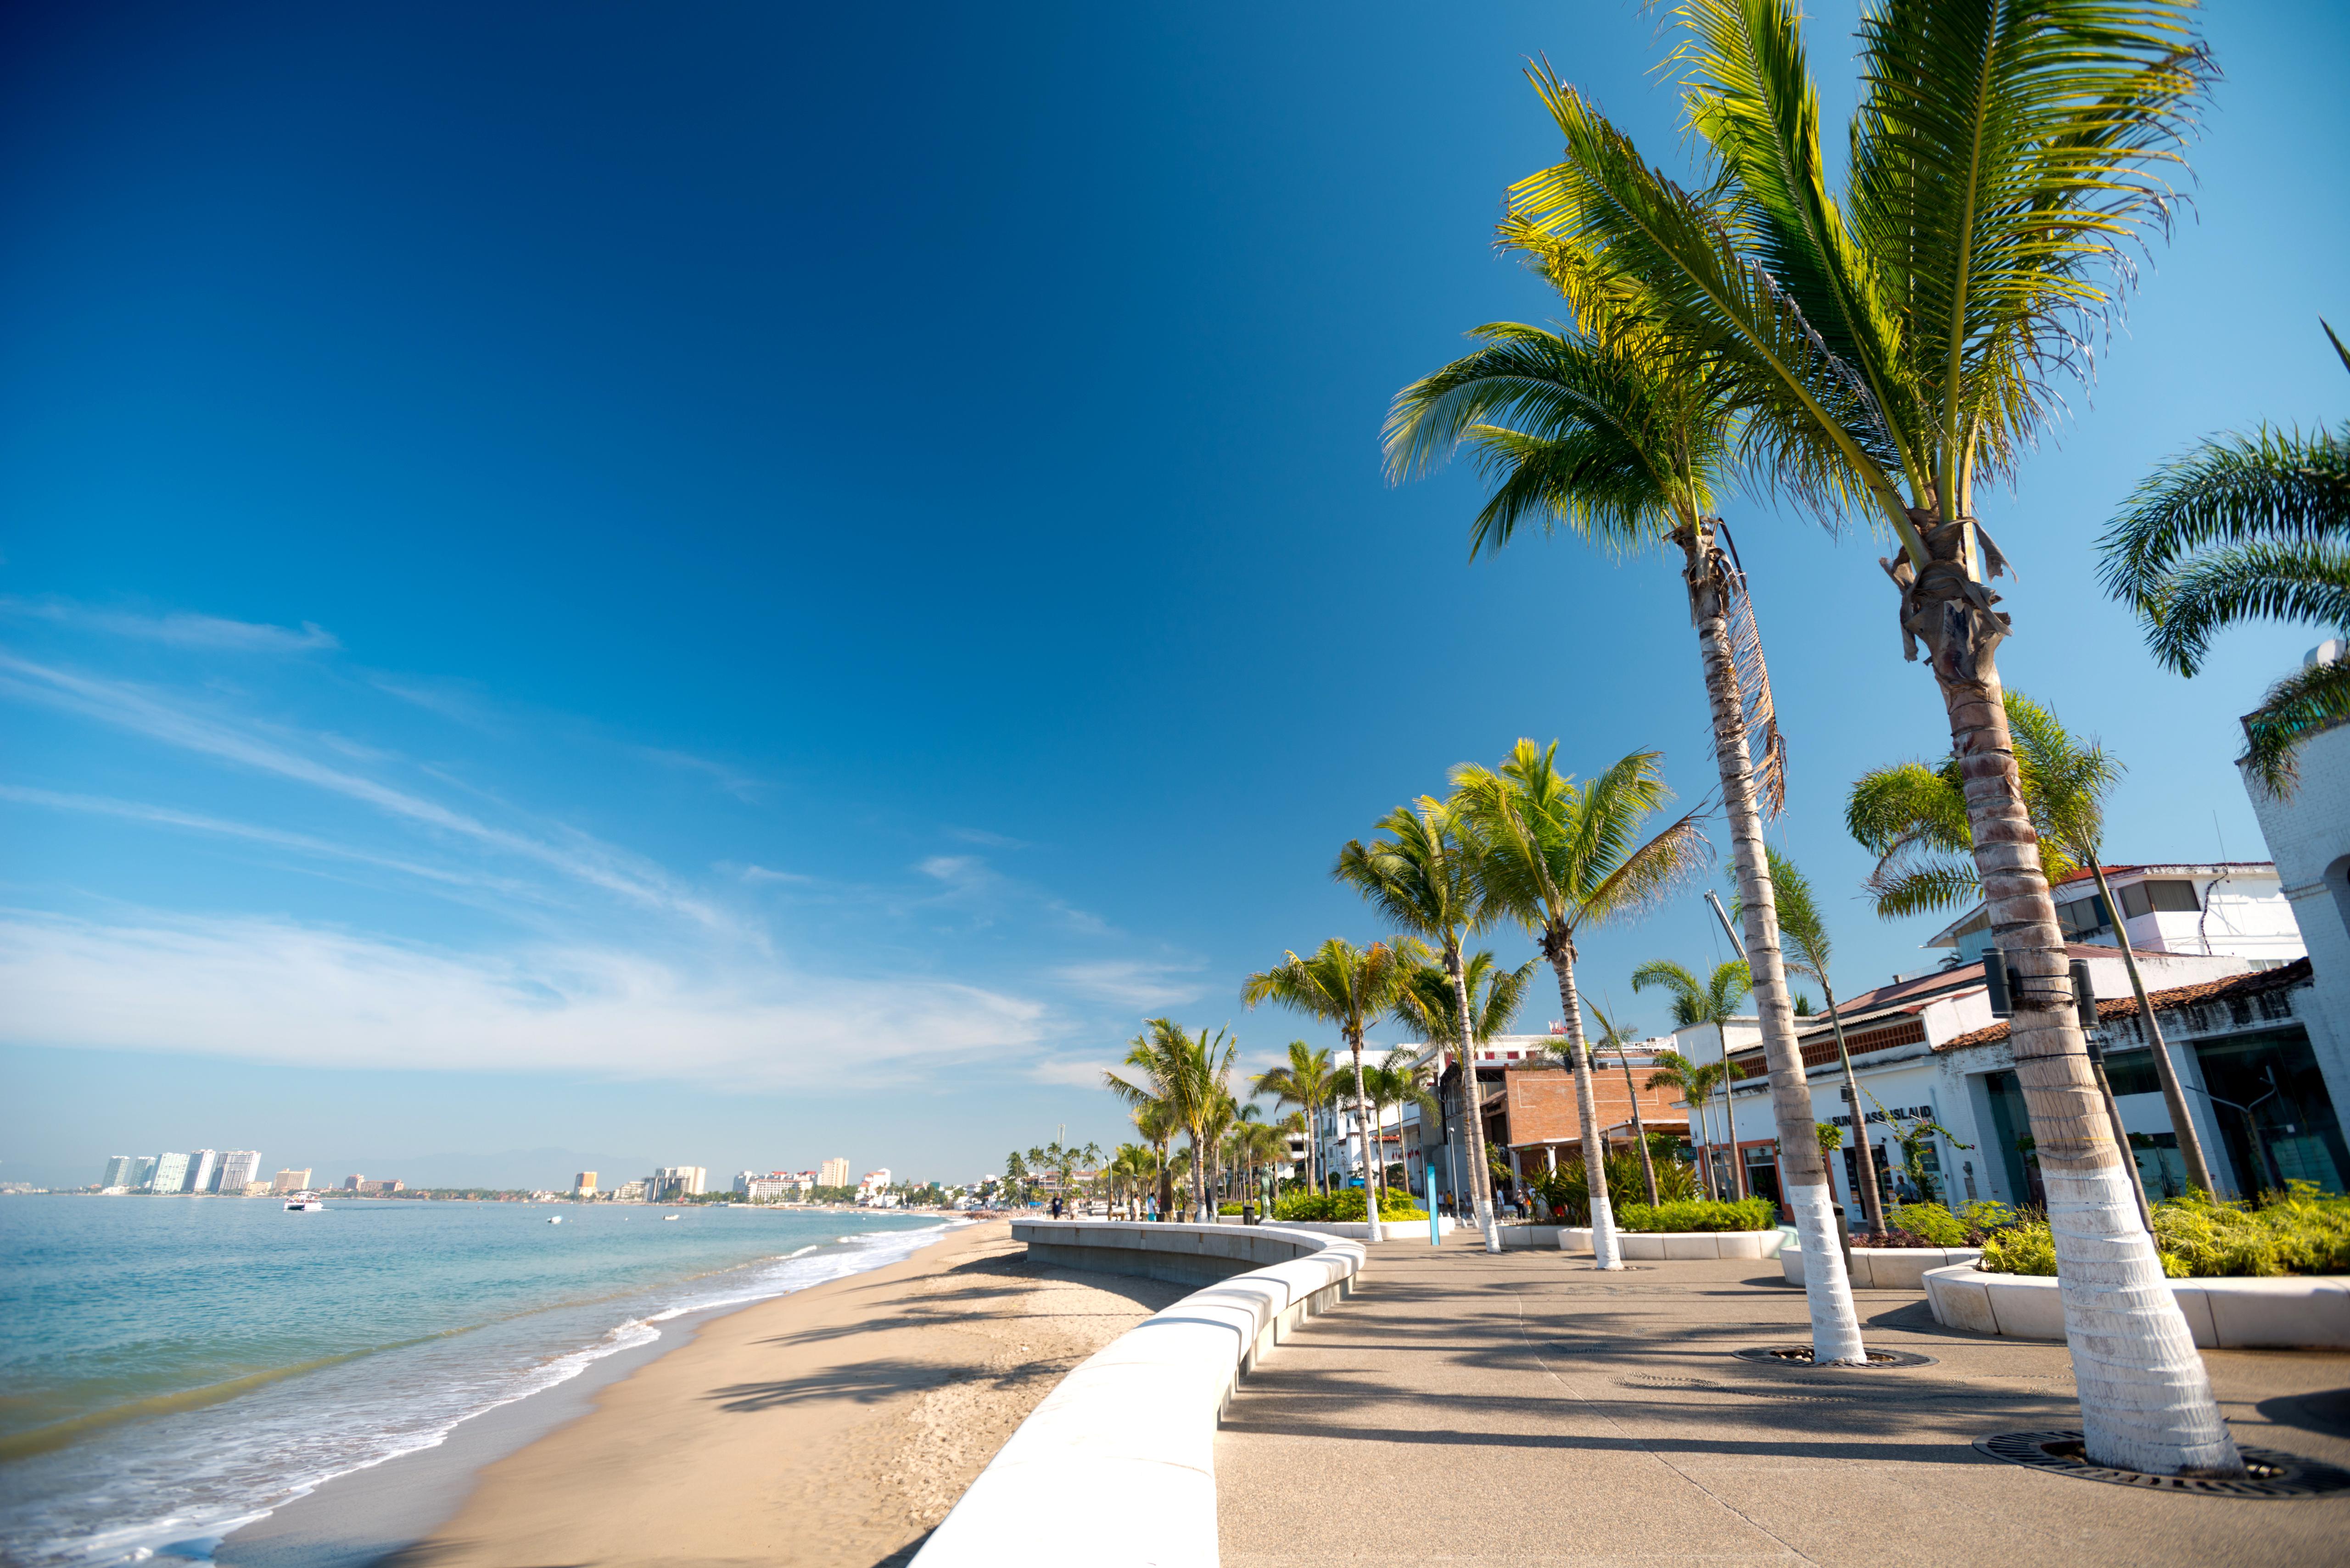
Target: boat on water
302,1204
555,1218
668,1217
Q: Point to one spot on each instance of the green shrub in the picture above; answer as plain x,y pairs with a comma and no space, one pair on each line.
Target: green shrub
1567,1189
2299,1232
1930,1223
1344,1207
1700,1214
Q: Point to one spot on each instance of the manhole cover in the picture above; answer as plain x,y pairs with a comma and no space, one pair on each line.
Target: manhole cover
2268,1473
1801,1356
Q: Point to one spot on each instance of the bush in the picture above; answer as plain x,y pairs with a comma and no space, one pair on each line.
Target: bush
1344,1206
1700,1214
1568,1191
2197,1237
1933,1224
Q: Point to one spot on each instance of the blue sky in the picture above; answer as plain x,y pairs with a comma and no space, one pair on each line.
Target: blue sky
736,584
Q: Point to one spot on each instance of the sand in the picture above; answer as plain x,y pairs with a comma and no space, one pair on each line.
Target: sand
832,1429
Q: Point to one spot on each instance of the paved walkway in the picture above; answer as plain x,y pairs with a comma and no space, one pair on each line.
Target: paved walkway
1466,1410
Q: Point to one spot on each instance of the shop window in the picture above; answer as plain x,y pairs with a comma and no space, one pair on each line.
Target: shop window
2170,898
2083,918
2275,1116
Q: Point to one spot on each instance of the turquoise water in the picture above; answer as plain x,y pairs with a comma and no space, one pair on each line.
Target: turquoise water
171,1368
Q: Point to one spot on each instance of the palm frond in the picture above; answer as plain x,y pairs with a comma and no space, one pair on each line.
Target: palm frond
2314,698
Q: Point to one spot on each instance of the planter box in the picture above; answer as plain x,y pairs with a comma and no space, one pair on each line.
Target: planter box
1652,1246
1358,1230
2310,1311
1884,1268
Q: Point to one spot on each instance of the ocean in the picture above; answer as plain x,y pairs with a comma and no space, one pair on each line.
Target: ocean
173,1368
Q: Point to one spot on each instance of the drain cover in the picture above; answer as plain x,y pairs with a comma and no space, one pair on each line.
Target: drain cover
1801,1356
2268,1473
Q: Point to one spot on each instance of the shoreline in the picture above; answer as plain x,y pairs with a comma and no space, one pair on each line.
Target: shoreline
829,1428
361,1516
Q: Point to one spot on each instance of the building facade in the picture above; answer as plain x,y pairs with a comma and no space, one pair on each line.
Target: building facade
240,1169
291,1181
169,1174
2309,833
120,1169
833,1172
584,1185
673,1182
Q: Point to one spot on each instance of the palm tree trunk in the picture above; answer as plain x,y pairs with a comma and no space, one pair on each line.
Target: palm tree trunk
1604,1253
2174,1096
1836,1327
1639,1128
1362,1141
1481,1181
2146,1397
1864,1158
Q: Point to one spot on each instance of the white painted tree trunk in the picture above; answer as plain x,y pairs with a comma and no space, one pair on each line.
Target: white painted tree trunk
1480,1180
1363,1142
1605,1251
1835,1327
2146,1397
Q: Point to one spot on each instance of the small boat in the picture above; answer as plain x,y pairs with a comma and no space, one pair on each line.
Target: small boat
668,1217
555,1218
302,1206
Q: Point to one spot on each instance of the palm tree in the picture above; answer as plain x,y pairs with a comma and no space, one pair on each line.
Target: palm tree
1913,819
1609,1034
1624,437
2243,528
1257,1143
1305,1082
1185,1077
1890,354
1399,1080
1347,986
1715,1000
1557,858
1422,875
1803,935
1155,1124
1425,1004
1695,1085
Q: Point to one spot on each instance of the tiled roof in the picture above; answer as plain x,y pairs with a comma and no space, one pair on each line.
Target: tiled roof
2278,979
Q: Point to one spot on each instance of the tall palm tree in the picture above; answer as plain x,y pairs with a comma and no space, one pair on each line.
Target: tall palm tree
1257,1143
1186,1076
1425,1004
1421,873
1305,1081
1695,1085
1397,1080
1893,353
1349,987
1803,935
1610,1036
1714,1001
1558,856
2247,527
1913,819
1155,1124
1624,436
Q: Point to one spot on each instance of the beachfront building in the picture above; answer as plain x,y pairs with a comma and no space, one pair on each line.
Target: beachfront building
289,1180
875,1187
630,1192
169,1174
671,1182
119,1169
239,1169
583,1184
773,1186
203,1172
2237,908
833,1172
2309,833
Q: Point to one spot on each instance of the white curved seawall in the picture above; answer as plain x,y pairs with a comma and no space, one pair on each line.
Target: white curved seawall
1117,1468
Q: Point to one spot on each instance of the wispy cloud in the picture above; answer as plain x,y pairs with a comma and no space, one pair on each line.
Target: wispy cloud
180,628
452,700
981,837
173,722
1132,982
759,874
271,990
741,786
1069,1071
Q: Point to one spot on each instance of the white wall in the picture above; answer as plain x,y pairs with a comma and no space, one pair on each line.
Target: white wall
2309,838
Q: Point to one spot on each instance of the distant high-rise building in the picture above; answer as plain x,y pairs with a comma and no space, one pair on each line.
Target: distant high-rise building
120,1169
352,1183
675,1182
171,1173
141,1167
203,1170
833,1172
240,1169
743,1179
291,1181
583,1184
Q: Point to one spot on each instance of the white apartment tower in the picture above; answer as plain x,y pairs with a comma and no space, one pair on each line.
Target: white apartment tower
120,1169
833,1172
203,1172
171,1174
240,1167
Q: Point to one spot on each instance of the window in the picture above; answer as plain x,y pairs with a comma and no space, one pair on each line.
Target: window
2169,898
2081,918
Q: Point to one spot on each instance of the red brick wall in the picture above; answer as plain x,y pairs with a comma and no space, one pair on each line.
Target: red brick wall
1542,1103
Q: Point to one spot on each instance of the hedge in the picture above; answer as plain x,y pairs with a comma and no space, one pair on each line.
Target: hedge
2301,1232
1700,1214
1343,1207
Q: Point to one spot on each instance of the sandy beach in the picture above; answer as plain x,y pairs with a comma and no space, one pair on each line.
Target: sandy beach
832,1429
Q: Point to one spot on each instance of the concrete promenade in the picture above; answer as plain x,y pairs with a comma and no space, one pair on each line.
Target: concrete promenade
1466,1410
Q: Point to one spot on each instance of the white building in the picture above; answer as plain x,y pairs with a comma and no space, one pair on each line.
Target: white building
833,1172
120,1169
240,1169
671,1182
2309,833
2214,907
875,1184
170,1174
203,1172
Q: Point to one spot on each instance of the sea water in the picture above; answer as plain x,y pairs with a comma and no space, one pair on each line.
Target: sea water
173,1368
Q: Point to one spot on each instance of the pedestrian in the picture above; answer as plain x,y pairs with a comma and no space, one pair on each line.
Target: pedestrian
1056,1206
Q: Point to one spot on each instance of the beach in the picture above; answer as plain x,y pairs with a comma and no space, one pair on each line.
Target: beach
832,1428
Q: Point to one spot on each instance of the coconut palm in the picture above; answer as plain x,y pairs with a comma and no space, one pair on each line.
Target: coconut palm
1349,987
1421,874
1185,1075
1558,858
1914,819
1804,937
1623,436
1426,1004
1399,1080
2247,527
1257,1143
1612,1037
1893,353
1695,1085
1714,1001
1306,1082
